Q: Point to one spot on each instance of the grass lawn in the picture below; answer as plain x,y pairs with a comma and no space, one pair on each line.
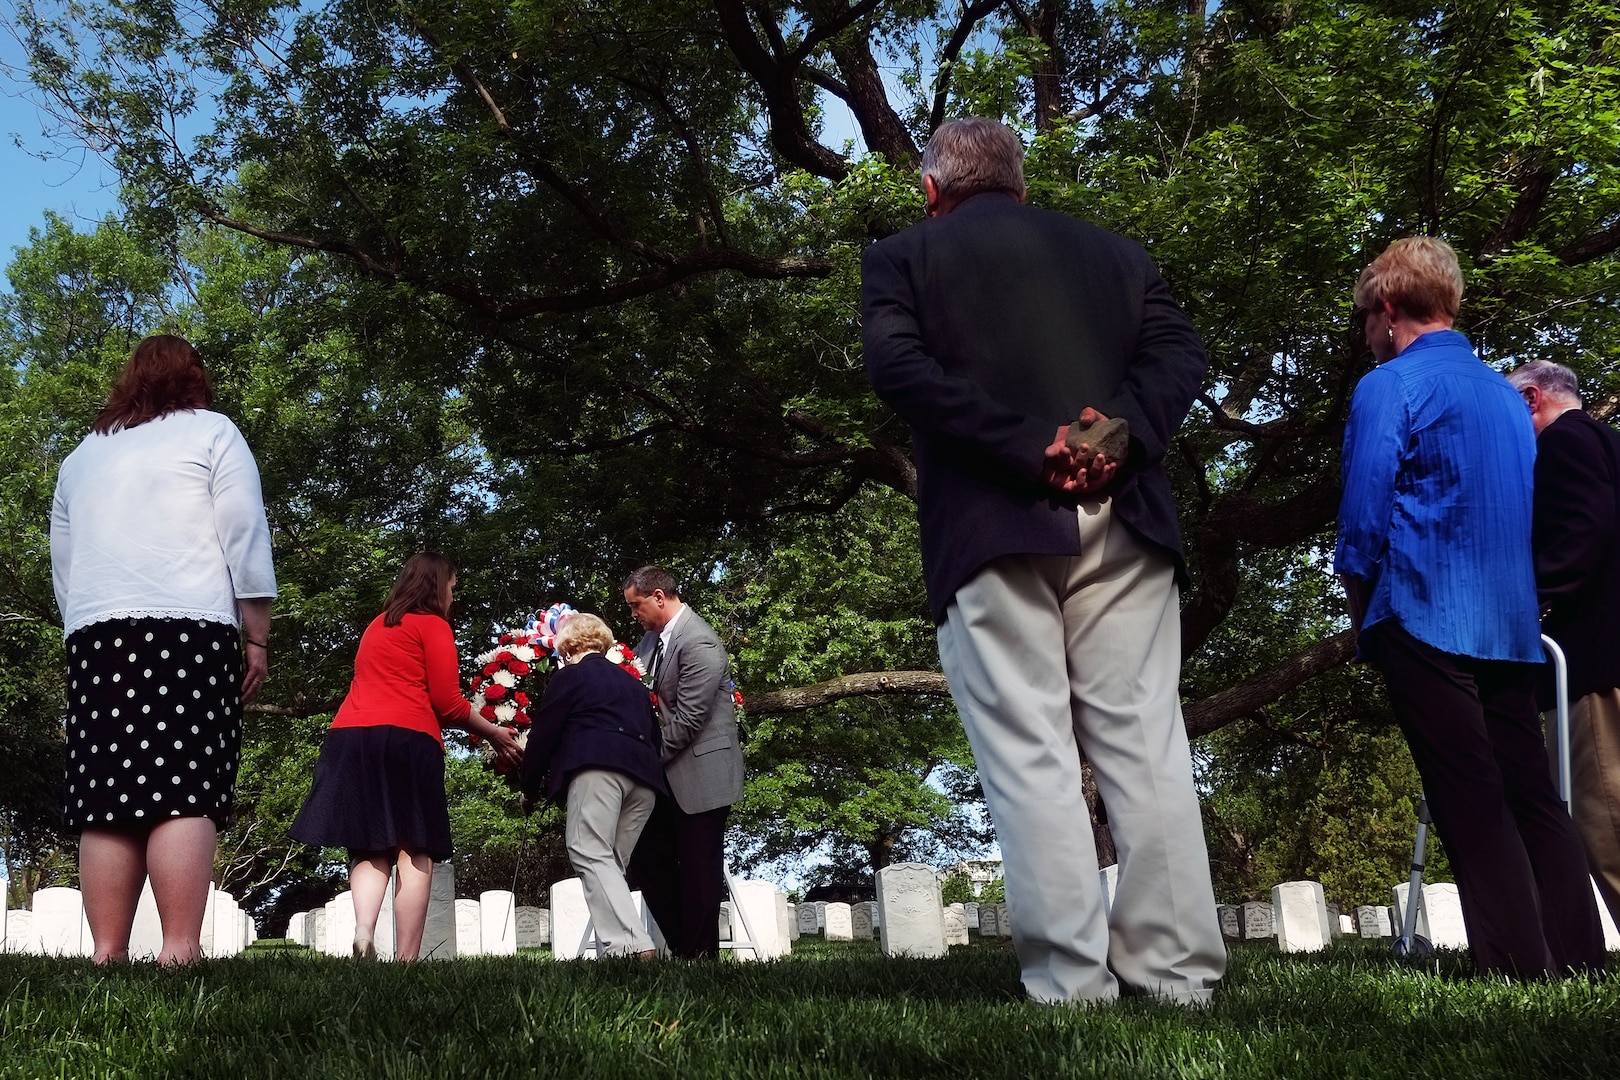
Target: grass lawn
829,1010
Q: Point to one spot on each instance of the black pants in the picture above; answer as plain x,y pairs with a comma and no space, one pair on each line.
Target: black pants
1475,733
679,866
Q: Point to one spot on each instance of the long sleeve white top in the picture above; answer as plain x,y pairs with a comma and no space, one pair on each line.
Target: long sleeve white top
162,520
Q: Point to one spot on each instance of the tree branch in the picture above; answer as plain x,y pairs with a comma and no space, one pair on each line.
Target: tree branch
862,684
1236,702
1592,246
953,47
832,28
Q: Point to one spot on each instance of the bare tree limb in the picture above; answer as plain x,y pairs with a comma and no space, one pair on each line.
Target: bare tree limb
862,684
1236,702
953,47
831,28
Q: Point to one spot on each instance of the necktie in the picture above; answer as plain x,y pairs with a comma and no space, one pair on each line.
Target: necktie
657,660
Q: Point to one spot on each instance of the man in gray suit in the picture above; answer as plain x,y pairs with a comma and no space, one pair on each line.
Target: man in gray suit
679,862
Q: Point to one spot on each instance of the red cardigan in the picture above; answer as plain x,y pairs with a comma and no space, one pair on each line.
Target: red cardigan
407,676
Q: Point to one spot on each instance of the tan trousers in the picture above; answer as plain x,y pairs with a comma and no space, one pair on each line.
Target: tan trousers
1594,768
1046,655
606,813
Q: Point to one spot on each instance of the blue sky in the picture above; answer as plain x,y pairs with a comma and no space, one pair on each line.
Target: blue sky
35,175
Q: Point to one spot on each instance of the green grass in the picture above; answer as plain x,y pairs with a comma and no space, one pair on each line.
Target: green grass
830,1010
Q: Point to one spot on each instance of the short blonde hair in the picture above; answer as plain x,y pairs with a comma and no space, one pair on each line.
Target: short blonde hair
1418,274
583,632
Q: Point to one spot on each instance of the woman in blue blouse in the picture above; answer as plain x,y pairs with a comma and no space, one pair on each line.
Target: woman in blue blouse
1434,552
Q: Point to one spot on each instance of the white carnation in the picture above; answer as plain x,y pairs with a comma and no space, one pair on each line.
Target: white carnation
504,712
504,678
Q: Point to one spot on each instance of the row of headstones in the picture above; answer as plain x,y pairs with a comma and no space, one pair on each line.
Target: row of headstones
56,926
757,923
1301,920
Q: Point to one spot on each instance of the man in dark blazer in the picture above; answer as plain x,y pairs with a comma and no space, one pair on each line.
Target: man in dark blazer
1575,531
1053,576
680,861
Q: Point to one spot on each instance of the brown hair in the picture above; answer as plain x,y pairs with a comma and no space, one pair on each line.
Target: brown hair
971,155
164,375
584,632
647,580
420,588
1418,274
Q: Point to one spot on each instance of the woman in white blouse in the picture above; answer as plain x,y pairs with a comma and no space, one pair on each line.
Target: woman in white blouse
160,553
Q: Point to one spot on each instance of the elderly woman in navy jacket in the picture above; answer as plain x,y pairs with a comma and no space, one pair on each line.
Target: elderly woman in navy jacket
595,742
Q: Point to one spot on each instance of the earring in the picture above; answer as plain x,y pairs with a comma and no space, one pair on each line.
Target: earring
1391,331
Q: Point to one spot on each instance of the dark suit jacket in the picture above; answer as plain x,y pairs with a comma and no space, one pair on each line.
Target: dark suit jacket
702,755
988,328
1576,534
594,716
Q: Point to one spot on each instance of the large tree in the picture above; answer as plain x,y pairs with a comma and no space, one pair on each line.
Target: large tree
599,260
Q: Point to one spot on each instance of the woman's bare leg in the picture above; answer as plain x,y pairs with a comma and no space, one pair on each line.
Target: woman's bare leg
112,869
180,860
368,881
411,902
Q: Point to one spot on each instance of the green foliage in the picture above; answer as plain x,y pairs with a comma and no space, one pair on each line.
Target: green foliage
957,888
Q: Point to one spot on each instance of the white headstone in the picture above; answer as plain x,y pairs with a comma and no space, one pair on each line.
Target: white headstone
530,927
340,924
911,917
1611,935
20,932
146,934
1259,921
317,932
498,928
987,920
206,938
295,928
226,939
1398,911
793,921
821,915
1004,926
725,920
756,908
1372,921
59,922
1302,918
956,930
972,910
807,919
1108,878
571,937
784,921
1347,924
1445,916
860,923
469,928
838,923
1230,917
439,931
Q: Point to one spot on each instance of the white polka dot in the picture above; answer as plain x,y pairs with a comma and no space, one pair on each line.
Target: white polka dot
129,729
132,658
132,693
115,676
92,783
159,761
161,725
148,636
176,780
193,764
199,658
195,729
83,700
178,744
144,744
81,802
184,638
181,673
208,749
163,689
98,644
164,654
196,693
140,813
147,673
191,798
212,681
118,642
81,768
157,796
113,749
126,763
205,785
216,646
96,681
179,708
123,798
140,779
109,816
115,712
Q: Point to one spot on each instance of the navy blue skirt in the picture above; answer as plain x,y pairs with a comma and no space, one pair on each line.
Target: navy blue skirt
376,789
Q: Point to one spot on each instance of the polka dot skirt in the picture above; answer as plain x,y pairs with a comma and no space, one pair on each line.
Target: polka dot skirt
154,724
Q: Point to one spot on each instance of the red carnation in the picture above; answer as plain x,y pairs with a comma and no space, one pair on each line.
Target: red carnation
504,657
491,668
520,699
521,720
487,712
518,668
494,692
506,639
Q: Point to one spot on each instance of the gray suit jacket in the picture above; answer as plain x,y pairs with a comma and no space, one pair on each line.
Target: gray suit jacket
702,755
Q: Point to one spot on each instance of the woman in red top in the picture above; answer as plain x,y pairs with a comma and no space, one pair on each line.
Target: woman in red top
379,783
